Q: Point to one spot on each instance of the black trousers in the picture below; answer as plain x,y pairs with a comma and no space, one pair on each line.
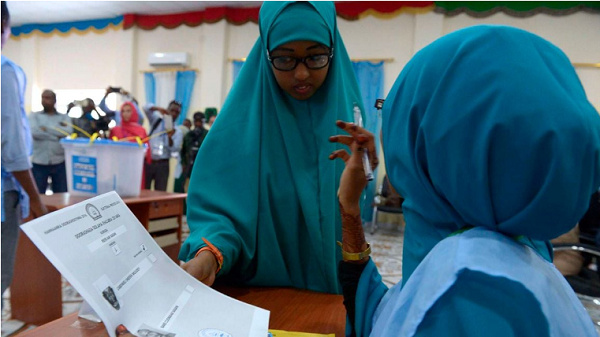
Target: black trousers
158,171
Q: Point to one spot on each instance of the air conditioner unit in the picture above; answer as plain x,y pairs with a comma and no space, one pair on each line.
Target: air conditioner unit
168,59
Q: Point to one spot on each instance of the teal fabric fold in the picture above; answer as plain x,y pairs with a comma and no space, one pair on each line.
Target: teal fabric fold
270,203
490,126
482,283
370,292
486,129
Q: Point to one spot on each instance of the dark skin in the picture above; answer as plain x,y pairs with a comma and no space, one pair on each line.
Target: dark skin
49,101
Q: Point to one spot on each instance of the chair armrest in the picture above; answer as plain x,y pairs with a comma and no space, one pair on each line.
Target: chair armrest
580,247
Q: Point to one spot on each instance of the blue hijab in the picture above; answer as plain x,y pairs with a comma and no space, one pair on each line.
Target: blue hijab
490,126
271,205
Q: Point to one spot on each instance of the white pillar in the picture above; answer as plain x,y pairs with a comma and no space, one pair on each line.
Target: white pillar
28,60
212,66
126,73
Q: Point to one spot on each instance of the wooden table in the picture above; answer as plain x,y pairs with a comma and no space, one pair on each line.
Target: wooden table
36,289
291,310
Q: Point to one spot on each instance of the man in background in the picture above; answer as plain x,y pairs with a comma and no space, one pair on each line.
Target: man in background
47,128
165,142
20,197
116,114
191,144
179,174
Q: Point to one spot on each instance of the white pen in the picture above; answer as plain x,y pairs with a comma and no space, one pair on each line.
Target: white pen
366,162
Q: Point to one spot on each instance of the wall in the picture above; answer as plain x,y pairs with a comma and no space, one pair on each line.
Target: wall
94,61
578,35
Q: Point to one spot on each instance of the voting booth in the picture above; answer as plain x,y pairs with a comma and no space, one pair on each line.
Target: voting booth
100,166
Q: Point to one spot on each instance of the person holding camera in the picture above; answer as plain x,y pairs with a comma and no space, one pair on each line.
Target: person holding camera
91,121
127,97
165,142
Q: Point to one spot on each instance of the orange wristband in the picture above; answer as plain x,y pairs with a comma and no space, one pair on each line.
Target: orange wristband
216,252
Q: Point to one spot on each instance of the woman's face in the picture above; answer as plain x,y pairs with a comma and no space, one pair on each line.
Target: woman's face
300,82
126,113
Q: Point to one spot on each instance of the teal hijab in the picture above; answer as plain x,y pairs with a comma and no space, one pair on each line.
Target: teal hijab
271,205
490,126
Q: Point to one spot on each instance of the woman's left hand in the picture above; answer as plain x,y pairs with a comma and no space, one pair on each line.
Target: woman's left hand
353,180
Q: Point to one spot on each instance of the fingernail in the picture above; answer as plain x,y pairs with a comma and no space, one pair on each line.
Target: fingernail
121,329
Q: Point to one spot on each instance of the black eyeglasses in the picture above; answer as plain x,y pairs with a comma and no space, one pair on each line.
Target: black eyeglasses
288,63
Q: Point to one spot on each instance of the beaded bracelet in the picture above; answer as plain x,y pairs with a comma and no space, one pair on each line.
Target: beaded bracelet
216,252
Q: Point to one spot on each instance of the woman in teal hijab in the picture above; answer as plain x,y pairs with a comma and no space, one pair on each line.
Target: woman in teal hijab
270,208
490,138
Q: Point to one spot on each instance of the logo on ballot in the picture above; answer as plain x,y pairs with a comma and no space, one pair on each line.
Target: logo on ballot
93,211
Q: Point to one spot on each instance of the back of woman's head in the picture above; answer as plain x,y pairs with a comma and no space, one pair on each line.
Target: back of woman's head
490,126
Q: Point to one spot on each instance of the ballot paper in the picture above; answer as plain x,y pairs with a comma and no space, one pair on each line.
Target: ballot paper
102,249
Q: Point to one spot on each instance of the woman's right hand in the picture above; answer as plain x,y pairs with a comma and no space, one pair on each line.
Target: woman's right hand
122,331
203,267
